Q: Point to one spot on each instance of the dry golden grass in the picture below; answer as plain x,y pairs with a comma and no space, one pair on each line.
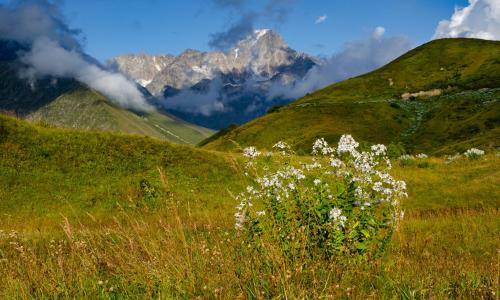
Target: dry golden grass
437,253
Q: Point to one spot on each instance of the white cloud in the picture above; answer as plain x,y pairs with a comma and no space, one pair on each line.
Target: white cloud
196,102
47,57
55,50
356,57
378,32
321,19
480,19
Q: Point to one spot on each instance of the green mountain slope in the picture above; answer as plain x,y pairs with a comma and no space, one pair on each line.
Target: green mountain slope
84,108
440,97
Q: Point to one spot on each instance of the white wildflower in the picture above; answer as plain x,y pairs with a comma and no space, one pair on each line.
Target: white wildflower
378,186
315,165
379,149
316,182
336,163
336,216
251,152
335,213
282,146
474,153
347,144
406,157
321,147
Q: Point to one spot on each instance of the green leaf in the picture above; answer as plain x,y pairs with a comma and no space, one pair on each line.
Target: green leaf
361,246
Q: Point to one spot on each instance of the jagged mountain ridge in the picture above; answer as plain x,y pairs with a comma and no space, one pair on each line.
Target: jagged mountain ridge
237,80
263,54
142,67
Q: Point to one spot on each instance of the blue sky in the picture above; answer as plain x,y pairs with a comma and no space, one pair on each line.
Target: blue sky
113,27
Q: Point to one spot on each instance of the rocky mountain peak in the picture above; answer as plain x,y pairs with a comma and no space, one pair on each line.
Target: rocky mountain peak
263,38
141,67
262,54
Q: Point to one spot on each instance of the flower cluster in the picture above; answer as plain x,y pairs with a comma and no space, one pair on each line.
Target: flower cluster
408,157
474,153
251,152
340,200
336,217
421,156
283,147
321,146
347,144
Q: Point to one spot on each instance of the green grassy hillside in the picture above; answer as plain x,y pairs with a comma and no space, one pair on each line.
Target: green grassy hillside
103,215
86,109
46,172
379,107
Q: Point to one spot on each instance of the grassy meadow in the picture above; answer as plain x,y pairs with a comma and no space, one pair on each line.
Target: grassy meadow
109,216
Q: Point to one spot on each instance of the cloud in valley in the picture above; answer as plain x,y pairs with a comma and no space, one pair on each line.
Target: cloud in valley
480,19
321,19
204,102
55,50
356,58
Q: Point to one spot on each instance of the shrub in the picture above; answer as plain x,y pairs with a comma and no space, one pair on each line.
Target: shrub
339,203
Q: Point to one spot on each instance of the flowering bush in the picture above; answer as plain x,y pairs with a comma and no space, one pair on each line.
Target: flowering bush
474,153
339,202
421,156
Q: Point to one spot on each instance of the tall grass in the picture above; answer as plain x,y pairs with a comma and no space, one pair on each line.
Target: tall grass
92,215
172,253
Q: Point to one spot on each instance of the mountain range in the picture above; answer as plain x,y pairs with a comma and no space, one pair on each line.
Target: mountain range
441,97
216,89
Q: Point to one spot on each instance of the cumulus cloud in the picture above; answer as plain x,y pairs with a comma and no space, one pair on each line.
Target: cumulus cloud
55,50
224,40
480,19
28,20
321,19
354,59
